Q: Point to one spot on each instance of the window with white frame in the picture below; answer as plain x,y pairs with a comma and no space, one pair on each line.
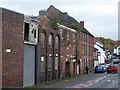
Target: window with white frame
67,50
42,64
73,36
73,50
61,32
68,35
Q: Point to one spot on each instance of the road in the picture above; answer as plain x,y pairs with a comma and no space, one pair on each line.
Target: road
92,80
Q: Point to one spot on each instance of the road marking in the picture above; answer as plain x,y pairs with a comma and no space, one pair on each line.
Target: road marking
88,83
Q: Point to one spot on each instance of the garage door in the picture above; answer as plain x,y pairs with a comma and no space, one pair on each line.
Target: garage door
29,65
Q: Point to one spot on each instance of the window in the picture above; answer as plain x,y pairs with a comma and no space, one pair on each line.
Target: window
89,63
34,33
42,63
61,32
73,36
86,50
61,49
68,51
51,9
81,65
56,63
50,41
56,42
86,37
50,63
81,36
68,35
26,30
73,51
78,35
42,40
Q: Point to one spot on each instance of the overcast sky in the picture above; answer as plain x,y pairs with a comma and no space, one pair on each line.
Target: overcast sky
100,16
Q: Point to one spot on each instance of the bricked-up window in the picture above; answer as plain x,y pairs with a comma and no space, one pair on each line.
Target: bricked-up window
26,31
67,50
43,40
73,36
61,49
61,32
68,35
50,41
42,64
50,63
56,63
73,51
56,42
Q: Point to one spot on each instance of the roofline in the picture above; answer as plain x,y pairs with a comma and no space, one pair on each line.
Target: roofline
66,28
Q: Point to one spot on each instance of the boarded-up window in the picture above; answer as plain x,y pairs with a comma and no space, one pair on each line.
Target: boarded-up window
68,35
56,63
43,40
50,63
42,65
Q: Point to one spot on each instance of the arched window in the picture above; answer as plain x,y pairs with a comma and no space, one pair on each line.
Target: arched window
56,42
43,40
50,41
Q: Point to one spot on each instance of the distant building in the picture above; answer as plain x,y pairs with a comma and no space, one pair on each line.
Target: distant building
100,53
116,50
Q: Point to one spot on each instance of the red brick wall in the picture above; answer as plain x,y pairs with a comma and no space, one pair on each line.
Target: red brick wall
12,35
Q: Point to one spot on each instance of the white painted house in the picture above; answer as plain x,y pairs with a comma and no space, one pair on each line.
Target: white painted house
100,53
116,50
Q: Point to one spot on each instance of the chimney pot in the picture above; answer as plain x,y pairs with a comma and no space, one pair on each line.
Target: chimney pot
82,23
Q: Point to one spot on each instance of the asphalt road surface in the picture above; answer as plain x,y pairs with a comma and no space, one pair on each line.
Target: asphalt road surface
92,80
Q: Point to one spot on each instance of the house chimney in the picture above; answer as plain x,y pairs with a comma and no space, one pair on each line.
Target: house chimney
82,23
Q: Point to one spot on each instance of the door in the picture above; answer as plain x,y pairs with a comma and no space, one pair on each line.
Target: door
29,66
67,74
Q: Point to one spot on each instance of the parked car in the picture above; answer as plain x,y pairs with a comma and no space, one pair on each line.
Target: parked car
111,69
115,61
104,67
107,65
99,68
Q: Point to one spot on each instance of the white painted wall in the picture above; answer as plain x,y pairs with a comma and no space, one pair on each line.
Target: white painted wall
101,58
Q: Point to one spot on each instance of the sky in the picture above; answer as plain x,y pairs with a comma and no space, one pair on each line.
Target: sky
100,16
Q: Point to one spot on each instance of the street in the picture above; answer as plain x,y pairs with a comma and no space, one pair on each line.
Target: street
92,80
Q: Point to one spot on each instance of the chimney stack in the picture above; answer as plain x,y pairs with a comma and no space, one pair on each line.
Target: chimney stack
82,23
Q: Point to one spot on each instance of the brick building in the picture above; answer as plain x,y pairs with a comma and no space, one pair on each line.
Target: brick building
19,41
86,45
49,51
68,50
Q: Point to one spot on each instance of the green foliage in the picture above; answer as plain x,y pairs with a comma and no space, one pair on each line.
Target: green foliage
54,18
75,26
108,43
